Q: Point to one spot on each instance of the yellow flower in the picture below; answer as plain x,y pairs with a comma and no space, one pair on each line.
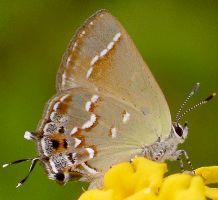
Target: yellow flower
209,175
144,180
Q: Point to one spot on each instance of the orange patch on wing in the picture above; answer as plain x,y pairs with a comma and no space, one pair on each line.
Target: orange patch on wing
63,106
59,142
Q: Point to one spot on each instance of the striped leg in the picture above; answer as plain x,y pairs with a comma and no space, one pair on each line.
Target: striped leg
181,163
179,154
187,159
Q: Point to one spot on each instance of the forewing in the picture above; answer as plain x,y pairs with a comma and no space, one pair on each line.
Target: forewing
102,57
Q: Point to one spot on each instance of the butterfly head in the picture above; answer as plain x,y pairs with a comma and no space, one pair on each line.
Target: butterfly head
180,132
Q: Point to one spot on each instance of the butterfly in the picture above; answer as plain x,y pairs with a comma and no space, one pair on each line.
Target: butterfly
108,109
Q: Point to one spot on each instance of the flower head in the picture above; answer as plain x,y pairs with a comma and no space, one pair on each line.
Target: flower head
144,179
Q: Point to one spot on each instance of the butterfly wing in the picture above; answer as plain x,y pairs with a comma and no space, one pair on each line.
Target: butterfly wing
113,130
102,60
103,57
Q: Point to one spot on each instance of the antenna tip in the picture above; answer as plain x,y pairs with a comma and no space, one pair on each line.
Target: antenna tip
18,185
196,87
5,165
211,96
28,135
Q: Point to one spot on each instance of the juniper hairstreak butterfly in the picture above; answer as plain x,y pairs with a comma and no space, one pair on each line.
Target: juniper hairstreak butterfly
108,109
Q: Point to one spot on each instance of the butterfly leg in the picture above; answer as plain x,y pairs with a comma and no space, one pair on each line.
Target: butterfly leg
181,163
187,159
178,155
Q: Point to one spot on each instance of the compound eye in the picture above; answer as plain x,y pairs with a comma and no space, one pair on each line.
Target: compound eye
179,131
60,177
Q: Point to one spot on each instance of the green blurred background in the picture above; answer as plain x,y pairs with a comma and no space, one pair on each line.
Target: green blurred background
178,39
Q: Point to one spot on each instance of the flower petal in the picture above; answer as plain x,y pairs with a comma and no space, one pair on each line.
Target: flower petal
209,174
182,186
97,195
211,193
120,179
148,174
143,179
145,194
125,179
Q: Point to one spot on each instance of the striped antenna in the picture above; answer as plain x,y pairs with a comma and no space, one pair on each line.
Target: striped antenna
197,105
15,162
193,91
34,160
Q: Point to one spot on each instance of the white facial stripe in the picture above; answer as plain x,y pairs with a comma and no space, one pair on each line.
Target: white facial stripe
113,132
91,152
90,122
74,130
88,105
77,142
126,117
89,169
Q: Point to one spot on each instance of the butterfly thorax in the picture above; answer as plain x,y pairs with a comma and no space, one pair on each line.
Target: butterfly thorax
166,149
